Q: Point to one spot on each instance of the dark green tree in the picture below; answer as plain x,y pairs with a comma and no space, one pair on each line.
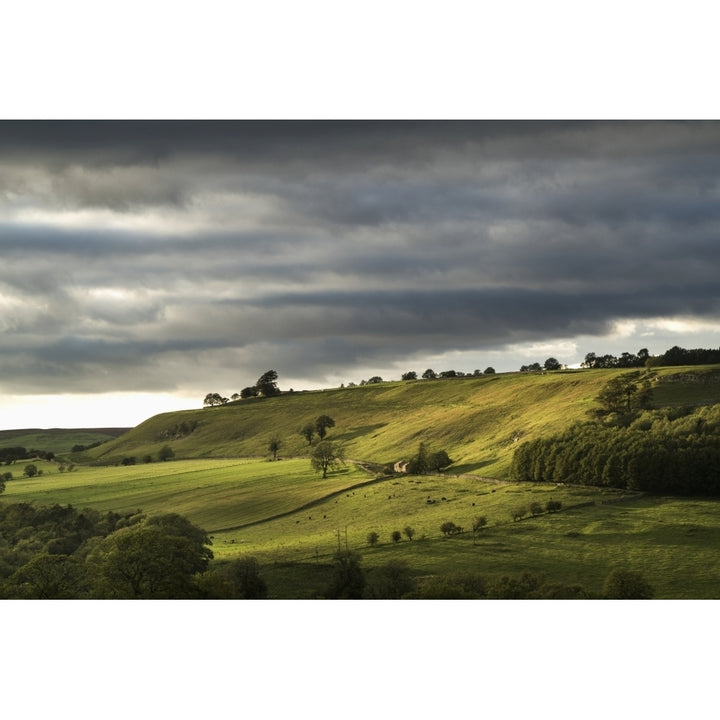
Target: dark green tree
396,536
274,445
166,453
624,394
429,374
308,432
30,470
267,384
155,558
420,463
552,364
248,392
49,577
391,581
322,424
326,455
348,581
623,584
214,399
410,375
372,538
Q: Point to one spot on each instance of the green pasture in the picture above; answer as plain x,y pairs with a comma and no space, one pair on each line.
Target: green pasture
478,421
213,494
57,440
292,521
674,542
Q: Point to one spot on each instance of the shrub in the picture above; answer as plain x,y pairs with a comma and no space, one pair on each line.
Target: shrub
396,536
536,508
479,523
553,505
518,512
622,584
450,528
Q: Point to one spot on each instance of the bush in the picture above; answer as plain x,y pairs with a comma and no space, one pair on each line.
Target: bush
450,528
396,536
391,581
166,453
622,584
553,505
518,512
536,508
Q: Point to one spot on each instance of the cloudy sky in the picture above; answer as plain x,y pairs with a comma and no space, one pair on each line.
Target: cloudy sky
145,264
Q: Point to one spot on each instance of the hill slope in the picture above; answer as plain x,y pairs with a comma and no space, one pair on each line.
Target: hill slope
59,440
477,420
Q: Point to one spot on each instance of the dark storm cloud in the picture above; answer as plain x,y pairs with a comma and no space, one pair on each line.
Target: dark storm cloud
136,254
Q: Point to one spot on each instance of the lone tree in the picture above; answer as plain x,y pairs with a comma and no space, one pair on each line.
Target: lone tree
322,424
214,399
409,532
267,384
623,394
327,455
166,453
308,432
30,470
372,538
274,445
396,536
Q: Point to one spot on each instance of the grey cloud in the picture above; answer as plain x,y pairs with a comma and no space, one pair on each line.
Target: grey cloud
317,244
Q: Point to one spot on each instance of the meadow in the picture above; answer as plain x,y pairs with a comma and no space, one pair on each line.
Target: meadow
292,521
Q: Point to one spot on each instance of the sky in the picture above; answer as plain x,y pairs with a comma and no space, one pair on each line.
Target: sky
145,264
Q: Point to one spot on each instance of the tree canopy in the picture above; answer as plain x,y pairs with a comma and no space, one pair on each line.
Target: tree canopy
327,455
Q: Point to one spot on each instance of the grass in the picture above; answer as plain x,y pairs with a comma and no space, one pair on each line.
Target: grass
477,420
57,440
214,494
292,521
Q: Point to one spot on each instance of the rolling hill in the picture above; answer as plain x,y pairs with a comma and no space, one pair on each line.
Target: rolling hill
478,421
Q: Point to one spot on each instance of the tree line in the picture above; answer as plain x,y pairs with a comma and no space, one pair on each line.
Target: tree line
56,552
671,450
266,386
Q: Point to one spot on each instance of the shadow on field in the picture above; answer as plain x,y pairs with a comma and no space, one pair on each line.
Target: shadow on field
469,467
358,432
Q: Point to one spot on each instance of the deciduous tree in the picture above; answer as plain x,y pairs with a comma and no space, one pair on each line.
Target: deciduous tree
326,455
322,424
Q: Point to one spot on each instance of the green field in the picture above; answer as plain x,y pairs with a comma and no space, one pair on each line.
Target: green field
57,440
293,521
284,514
477,420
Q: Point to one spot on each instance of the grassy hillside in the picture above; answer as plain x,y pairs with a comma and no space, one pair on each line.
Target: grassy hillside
292,521
477,420
215,494
59,440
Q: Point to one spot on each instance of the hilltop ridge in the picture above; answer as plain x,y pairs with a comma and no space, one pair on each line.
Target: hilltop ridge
478,420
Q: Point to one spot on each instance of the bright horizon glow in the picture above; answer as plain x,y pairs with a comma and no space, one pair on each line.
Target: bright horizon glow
88,411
